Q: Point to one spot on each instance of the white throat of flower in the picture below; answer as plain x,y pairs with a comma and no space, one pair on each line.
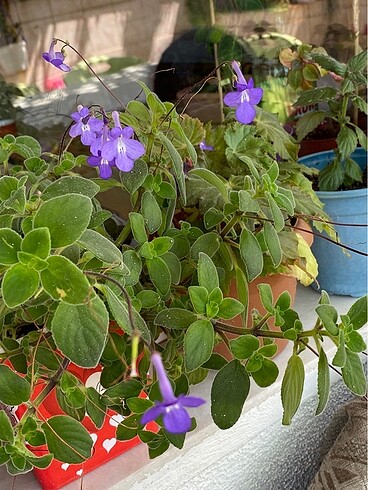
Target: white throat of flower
244,96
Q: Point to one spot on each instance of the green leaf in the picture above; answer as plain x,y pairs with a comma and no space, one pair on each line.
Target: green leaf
80,331
353,170
124,433
353,374
96,410
101,247
328,316
28,147
229,308
121,391
266,296
273,244
247,203
161,245
6,429
120,312
331,177
208,243
138,227
17,201
134,264
64,281
148,298
176,318
177,162
138,405
41,462
358,62
174,265
267,374
199,297
67,439
10,243
213,179
251,253
19,284
315,95
244,346
362,138
68,185
134,179
346,141
308,123
227,399
198,344
355,342
159,274
292,388
207,272
37,242
358,313
323,383
14,390
151,212
66,217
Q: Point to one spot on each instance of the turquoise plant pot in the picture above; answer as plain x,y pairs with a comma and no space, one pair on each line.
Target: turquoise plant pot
339,272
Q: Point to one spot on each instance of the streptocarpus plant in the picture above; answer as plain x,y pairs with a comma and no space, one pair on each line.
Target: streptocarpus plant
210,206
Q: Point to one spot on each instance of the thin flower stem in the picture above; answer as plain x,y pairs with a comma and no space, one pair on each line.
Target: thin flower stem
66,43
322,220
122,289
331,240
316,354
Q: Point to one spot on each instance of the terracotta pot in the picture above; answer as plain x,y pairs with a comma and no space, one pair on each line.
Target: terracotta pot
7,126
279,283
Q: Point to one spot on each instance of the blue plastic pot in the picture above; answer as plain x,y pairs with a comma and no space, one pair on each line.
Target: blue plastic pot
340,273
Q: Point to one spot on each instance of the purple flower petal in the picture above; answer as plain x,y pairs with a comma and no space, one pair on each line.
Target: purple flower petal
123,162
152,414
56,59
245,113
190,401
105,170
176,420
232,99
203,146
134,149
255,96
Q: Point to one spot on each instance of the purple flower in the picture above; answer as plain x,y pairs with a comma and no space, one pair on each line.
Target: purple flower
86,126
203,146
56,59
95,160
121,146
104,165
245,97
174,416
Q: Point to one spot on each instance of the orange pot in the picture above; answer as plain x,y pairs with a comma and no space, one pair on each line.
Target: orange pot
279,283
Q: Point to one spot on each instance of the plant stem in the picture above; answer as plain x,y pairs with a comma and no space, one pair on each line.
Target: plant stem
92,71
50,385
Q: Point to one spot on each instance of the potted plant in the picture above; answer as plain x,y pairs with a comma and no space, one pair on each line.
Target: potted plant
342,184
75,302
8,92
13,49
